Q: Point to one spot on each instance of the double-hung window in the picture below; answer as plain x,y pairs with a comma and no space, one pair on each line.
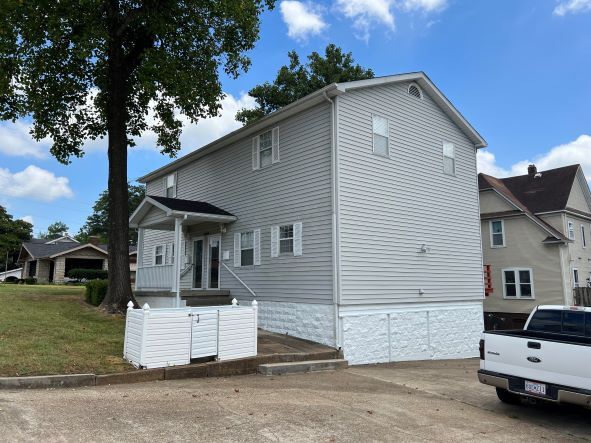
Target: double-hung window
571,230
449,159
159,255
497,233
286,239
380,136
518,283
170,185
265,149
247,248
576,283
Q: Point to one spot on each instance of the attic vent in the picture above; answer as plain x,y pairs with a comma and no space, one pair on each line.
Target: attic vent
415,91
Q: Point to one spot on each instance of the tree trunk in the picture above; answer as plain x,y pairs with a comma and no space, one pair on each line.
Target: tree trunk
119,292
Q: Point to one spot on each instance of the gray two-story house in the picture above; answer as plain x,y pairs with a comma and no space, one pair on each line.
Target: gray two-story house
350,215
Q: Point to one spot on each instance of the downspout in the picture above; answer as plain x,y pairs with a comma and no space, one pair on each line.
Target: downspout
335,222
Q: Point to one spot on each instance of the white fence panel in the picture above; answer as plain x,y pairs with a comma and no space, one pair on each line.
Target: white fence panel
156,338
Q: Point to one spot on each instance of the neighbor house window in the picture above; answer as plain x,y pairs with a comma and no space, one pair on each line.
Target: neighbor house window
576,278
497,233
286,239
571,230
170,185
159,255
518,283
380,135
583,238
449,159
247,248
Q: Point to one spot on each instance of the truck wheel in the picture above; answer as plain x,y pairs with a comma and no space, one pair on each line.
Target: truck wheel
508,397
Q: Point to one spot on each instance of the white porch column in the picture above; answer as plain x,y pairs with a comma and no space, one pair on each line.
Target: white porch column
140,256
176,269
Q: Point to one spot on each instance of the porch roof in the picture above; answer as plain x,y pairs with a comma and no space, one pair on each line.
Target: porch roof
159,213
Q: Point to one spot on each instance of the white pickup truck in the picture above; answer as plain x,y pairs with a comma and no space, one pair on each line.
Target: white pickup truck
550,359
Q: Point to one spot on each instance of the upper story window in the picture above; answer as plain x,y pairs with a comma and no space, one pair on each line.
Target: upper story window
449,159
170,185
571,230
286,239
583,237
497,233
265,149
380,136
518,283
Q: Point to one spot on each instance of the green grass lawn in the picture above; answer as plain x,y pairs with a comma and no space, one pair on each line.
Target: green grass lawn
49,329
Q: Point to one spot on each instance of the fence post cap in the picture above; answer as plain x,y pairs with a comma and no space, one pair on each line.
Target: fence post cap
129,304
234,302
146,307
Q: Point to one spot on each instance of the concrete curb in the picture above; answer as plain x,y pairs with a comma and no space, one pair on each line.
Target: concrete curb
243,366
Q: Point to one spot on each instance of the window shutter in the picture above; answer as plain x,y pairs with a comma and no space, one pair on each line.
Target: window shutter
164,185
275,241
176,177
297,239
275,145
255,154
237,250
257,247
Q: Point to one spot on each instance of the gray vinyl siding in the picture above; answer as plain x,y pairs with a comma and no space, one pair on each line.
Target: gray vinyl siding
153,237
389,207
297,189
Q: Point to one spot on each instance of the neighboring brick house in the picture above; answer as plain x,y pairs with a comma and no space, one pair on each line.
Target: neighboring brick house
536,234
50,260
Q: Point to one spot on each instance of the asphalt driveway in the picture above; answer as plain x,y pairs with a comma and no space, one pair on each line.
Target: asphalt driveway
397,402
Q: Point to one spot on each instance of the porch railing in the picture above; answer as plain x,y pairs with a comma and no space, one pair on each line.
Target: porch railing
582,296
154,277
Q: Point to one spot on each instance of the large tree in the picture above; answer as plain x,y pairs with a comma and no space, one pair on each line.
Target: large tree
12,234
97,224
297,80
85,69
55,230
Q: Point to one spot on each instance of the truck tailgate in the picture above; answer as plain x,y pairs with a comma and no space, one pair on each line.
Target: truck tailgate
536,359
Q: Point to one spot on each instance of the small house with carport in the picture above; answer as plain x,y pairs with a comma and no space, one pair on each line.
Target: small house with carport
350,215
536,241
49,261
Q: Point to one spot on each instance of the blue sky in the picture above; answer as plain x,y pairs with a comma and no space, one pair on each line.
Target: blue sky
518,70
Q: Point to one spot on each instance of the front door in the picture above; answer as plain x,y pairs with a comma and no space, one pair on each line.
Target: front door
214,250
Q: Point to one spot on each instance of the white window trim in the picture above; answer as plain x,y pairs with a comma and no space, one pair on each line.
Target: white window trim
576,284
373,146
256,149
517,284
570,227
203,265
297,240
163,255
443,157
490,225
174,186
583,237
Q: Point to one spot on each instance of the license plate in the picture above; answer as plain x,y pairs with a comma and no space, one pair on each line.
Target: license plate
535,388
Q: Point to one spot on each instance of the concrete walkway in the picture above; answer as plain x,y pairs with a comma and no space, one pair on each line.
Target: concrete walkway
427,401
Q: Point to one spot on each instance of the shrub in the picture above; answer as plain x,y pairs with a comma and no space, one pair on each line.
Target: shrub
96,291
88,274
30,281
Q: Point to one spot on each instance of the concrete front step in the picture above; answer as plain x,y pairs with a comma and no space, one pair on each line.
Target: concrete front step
302,366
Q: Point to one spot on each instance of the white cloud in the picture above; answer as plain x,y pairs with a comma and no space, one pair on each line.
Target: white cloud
364,13
424,5
302,19
576,151
34,183
572,7
16,141
27,218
